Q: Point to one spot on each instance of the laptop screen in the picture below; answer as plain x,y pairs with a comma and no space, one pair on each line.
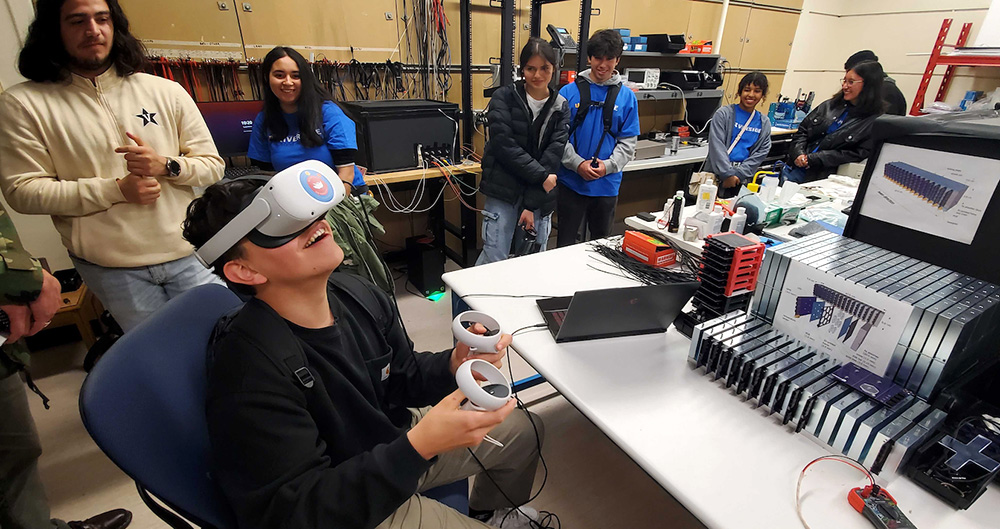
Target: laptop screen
231,123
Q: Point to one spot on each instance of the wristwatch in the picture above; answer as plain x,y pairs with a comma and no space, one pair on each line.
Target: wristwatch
173,167
4,323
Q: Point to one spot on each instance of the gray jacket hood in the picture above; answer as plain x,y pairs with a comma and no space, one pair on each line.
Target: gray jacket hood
613,80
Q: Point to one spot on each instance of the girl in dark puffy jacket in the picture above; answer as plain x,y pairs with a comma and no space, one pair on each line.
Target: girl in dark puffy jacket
528,126
839,130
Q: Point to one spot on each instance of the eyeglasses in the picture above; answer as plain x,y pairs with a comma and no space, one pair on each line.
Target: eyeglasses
851,82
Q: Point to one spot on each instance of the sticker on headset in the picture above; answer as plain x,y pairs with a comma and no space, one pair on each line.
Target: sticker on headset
385,373
316,185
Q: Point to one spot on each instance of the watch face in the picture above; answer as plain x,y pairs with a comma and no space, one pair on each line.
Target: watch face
173,167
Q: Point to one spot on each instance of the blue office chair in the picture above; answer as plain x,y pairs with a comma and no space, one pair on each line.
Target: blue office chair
144,405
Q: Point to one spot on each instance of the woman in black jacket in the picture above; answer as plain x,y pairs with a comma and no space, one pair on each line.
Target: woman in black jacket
838,131
528,125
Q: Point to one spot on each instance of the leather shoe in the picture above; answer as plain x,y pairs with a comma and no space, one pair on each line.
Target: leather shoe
116,519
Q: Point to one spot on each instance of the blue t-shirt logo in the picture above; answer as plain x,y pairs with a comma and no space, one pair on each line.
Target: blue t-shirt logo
316,185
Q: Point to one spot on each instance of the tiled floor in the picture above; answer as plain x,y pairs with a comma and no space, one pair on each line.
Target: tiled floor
591,483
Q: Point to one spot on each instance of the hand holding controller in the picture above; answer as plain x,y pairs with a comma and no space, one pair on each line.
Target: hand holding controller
485,342
492,395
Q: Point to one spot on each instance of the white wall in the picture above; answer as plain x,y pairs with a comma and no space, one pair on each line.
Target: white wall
900,32
37,232
15,15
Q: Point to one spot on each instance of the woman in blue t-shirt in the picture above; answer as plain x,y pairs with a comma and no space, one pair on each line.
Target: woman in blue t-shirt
300,121
739,138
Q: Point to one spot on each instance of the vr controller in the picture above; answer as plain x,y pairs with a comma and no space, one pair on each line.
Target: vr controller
288,203
494,393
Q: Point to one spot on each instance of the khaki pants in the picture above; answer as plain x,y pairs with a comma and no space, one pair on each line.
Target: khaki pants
512,467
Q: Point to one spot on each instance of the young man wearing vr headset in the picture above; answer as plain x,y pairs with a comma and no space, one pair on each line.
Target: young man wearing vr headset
317,404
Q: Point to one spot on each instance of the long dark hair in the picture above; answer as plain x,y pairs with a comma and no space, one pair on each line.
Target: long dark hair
870,100
44,56
537,46
310,104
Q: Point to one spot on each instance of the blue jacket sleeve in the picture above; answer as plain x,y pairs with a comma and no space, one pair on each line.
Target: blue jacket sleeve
630,117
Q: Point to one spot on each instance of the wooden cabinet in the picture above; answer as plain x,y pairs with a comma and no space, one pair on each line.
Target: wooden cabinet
768,39
320,26
794,4
203,32
653,16
703,24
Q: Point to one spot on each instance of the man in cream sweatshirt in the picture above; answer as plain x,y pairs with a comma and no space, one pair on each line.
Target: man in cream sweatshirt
111,153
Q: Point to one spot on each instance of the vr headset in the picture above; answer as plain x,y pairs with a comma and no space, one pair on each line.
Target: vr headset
280,211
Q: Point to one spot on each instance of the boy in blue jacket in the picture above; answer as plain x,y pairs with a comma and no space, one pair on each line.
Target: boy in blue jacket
596,154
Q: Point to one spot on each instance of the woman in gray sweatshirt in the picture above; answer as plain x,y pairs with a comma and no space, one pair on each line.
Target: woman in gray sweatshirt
739,138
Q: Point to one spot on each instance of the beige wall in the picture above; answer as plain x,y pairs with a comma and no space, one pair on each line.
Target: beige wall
900,32
758,35
39,236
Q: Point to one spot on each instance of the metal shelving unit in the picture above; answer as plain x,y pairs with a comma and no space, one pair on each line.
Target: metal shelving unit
951,61
661,95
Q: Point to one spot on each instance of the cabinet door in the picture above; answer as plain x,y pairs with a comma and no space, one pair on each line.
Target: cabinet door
316,26
794,4
703,24
186,28
653,16
768,39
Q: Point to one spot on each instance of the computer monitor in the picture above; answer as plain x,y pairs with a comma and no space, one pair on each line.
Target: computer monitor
929,191
231,123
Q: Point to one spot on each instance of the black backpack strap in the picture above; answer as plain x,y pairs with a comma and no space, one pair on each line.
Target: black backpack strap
266,330
359,291
582,86
609,107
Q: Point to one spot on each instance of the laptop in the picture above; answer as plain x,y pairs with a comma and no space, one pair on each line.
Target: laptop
614,312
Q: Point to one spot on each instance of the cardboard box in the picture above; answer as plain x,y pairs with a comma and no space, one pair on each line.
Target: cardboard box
648,250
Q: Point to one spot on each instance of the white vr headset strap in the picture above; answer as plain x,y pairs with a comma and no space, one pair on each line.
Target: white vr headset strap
236,229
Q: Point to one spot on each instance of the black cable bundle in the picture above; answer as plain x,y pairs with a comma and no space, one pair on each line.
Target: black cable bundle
628,267
253,73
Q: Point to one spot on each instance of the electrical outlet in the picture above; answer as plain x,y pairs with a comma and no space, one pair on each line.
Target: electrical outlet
247,8
223,6
388,15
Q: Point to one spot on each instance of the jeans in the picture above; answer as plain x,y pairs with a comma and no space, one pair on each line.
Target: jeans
499,221
23,504
132,294
791,173
598,213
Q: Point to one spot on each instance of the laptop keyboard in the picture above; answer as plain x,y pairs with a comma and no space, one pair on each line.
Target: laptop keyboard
236,172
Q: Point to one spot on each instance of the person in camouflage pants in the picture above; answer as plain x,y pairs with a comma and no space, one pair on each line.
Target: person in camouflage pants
29,298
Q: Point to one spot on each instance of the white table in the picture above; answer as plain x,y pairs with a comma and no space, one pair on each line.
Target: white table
695,246
730,465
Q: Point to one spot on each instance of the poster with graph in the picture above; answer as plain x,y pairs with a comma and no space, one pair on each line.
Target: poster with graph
849,321
941,193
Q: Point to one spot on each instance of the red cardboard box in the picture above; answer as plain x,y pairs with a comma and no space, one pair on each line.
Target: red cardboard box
648,250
